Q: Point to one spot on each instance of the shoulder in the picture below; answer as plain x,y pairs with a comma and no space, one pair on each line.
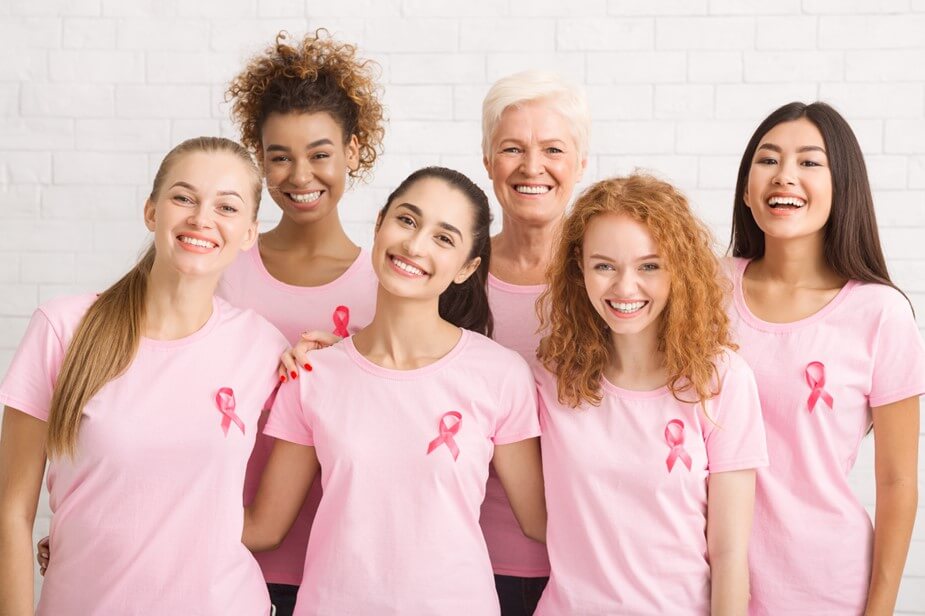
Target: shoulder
730,366
881,298
483,348
249,322
64,314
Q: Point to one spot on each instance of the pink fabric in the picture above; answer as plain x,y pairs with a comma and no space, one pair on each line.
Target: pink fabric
627,535
147,518
811,547
513,308
397,530
347,303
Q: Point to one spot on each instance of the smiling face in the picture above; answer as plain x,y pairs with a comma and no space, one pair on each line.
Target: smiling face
624,276
423,241
203,213
534,163
306,163
789,190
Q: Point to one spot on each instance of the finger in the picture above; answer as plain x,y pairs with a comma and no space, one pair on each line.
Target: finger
321,338
300,355
288,362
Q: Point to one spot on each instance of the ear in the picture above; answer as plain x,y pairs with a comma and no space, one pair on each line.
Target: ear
582,166
353,153
746,198
149,214
467,270
250,236
487,163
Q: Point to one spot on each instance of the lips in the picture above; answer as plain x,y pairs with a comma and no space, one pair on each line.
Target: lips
407,267
196,243
626,308
532,189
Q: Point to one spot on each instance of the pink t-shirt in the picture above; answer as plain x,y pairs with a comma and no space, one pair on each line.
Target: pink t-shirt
812,541
344,305
147,517
626,491
404,457
513,307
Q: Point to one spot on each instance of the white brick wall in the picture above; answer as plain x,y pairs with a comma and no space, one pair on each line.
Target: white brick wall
93,92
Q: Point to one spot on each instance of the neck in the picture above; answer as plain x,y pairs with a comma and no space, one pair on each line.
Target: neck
321,237
176,306
795,262
520,248
406,333
636,361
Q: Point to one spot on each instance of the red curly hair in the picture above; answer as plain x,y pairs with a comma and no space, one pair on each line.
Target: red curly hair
312,75
693,328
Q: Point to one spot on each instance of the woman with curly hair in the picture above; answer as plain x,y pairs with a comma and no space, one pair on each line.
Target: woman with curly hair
651,423
309,111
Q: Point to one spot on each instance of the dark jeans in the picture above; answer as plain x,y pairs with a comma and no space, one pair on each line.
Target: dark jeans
519,596
283,597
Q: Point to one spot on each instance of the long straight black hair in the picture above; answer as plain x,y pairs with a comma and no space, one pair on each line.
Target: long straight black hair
466,304
851,241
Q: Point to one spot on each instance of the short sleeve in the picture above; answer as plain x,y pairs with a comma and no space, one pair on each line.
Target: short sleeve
30,381
287,419
519,418
898,370
737,439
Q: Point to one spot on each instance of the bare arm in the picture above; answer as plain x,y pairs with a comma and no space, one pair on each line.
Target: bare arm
730,505
22,464
521,473
896,442
285,482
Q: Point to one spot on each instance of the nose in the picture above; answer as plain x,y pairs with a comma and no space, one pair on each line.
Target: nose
786,174
624,283
200,217
301,173
531,164
414,244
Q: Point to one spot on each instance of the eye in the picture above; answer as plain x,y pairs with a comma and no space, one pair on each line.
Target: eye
650,267
555,150
279,158
446,239
405,220
228,209
512,150
603,267
320,155
810,163
766,161
183,199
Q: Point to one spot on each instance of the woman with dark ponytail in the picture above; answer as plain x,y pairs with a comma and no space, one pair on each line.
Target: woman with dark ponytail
141,401
402,420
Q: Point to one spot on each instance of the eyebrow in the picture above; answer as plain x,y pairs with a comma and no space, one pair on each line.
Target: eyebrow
606,258
418,212
805,148
273,147
221,193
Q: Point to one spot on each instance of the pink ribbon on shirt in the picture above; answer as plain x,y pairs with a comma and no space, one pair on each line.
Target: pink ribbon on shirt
447,433
674,436
817,384
224,399
341,320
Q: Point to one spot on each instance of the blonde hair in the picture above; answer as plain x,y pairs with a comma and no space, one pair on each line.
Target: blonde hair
107,337
694,327
529,86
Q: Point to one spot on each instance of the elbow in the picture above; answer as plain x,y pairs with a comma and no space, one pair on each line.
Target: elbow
537,532
257,537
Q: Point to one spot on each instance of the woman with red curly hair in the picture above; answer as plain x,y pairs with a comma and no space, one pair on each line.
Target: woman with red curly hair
309,111
651,423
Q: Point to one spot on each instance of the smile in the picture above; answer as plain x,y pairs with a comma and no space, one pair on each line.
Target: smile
532,189
626,309
788,202
192,241
406,267
305,197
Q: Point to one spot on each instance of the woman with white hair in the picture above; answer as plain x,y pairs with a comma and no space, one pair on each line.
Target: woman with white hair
535,144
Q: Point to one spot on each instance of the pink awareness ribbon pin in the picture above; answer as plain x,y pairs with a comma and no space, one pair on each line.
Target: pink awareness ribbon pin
447,433
341,320
674,435
815,378
224,399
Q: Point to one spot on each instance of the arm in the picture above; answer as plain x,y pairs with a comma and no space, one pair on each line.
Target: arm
22,464
285,482
896,442
521,473
296,356
730,505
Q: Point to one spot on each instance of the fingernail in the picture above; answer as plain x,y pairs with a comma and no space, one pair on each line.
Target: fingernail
308,367
282,378
294,374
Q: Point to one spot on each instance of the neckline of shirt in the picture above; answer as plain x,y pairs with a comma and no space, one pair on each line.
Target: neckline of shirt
406,375
749,317
633,394
196,335
510,287
254,253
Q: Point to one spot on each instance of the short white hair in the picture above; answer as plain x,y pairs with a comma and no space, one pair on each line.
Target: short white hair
533,85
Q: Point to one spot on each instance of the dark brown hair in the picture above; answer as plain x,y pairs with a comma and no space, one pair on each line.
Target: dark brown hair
852,243
464,305
315,74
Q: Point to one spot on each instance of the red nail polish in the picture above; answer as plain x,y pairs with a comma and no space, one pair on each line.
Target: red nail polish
282,378
308,367
294,374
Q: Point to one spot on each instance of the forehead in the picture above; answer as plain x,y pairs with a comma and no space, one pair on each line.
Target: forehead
297,129
533,121
795,133
211,173
618,236
439,202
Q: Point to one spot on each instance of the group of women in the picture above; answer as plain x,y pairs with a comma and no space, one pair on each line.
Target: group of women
392,465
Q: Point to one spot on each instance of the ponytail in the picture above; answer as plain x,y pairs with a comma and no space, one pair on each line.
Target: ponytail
466,304
107,338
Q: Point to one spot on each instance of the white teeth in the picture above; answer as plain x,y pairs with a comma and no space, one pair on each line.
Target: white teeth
795,201
195,242
531,190
306,198
406,267
626,307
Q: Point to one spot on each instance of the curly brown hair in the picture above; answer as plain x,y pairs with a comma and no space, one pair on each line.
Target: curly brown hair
693,328
314,74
